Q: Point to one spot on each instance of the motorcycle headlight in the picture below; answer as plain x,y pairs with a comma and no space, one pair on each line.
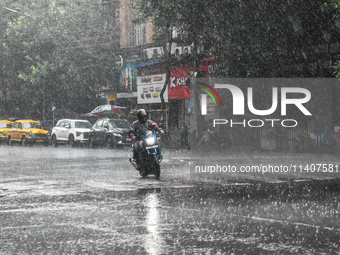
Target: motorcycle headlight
150,141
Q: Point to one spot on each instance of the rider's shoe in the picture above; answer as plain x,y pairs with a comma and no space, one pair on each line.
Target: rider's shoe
135,164
160,158
138,166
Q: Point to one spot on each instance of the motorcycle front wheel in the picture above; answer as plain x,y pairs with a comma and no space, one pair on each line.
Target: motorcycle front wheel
157,167
143,173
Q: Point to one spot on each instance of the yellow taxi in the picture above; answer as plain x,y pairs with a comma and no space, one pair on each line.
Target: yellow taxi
27,132
4,126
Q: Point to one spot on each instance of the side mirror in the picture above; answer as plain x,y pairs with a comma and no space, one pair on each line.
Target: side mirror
67,126
160,125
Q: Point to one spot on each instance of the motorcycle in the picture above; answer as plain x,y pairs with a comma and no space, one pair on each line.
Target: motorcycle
149,158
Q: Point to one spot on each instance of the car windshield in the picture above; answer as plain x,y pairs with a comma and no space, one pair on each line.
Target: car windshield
119,124
5,125
31,125
82,124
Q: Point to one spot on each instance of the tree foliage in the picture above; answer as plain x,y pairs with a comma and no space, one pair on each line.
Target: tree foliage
253,38
333,7
54,55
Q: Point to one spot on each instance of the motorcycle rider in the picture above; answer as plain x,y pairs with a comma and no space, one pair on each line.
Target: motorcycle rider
137,129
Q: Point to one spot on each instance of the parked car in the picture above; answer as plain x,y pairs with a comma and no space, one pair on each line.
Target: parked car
5,125
27,132
110,132
71,132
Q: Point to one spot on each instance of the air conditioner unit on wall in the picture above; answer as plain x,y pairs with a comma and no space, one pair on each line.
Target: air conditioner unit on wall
161,51
200,50
145,54
177,50
151,53
157,52
186,50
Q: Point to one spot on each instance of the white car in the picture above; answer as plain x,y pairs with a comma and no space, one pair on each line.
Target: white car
71,132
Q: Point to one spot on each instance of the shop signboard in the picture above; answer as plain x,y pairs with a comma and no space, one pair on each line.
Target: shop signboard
179,87
179,84
127,81
149,89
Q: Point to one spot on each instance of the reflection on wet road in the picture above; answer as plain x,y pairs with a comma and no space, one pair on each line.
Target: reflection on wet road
154,241
54,204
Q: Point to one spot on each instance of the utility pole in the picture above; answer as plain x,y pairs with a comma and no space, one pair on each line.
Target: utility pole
195,112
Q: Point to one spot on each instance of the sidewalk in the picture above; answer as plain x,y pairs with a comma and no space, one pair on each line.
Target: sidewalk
248,152
257,165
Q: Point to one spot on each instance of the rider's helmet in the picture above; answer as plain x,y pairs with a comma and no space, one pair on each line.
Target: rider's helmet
142,115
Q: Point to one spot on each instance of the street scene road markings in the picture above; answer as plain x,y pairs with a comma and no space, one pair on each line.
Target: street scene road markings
103,185
55,192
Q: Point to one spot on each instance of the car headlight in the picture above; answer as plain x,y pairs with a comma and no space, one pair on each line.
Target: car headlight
30,133
150,141
79,133
119,135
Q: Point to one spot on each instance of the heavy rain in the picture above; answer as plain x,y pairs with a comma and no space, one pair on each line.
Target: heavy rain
169,127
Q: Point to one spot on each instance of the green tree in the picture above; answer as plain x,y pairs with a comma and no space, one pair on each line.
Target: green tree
168,15
62,52
251,38
155,11
333,7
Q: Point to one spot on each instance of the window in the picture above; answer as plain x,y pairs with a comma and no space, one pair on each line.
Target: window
62,124
117,14
120,124
5,125
139,34
32,125
105,124
98,124
81,124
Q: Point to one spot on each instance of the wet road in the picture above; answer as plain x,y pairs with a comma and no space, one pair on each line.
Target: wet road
91,201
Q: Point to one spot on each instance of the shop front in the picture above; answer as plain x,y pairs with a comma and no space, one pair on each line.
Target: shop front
178,97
